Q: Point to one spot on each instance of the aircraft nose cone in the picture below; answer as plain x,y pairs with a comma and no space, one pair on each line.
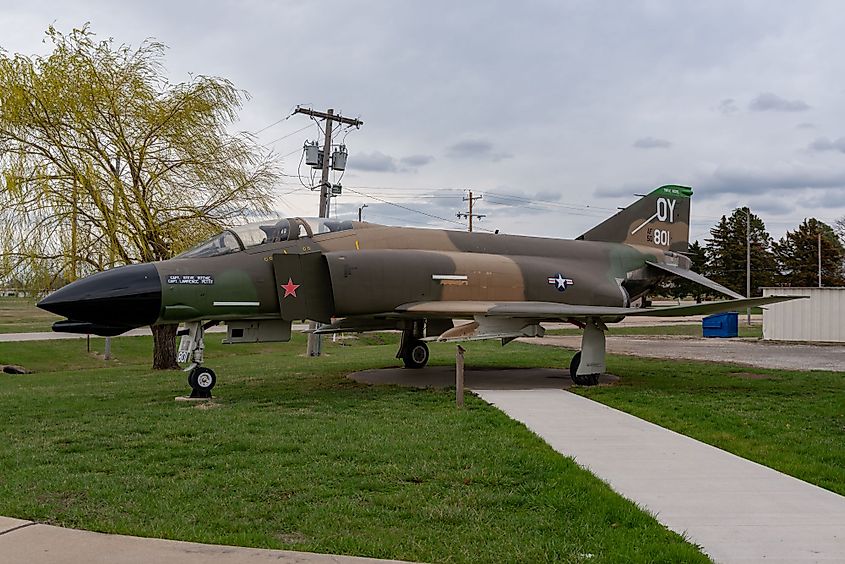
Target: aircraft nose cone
126,296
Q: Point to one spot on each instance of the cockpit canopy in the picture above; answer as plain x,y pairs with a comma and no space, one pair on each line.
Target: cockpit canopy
249,235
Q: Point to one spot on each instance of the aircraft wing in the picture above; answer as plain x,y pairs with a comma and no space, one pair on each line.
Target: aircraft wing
549,311
509,320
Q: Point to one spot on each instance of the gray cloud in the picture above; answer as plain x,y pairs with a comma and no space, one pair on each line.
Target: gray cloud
373,162
825,144
377,161
475,149
433,75
772,102
805,125
651,143
726,180
771,205
824,199
416,160
727,106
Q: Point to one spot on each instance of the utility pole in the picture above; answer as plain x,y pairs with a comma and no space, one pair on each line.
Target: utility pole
748,262
360,210
468,214
820,258
330,118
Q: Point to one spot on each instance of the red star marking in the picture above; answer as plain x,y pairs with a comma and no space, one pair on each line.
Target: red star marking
290,288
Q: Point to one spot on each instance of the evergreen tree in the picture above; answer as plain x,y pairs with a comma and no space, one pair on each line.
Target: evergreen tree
726,253
798,255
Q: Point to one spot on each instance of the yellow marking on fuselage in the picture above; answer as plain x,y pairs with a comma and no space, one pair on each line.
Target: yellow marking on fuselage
357,248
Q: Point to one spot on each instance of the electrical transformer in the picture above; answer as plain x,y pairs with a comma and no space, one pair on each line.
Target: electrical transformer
339,158
313,154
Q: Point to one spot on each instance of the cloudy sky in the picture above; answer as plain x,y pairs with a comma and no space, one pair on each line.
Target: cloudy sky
556,112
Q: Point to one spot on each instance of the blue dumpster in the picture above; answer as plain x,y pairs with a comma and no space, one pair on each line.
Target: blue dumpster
721,325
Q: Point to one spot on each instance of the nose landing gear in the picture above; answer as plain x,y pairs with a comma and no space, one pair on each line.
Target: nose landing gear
191,349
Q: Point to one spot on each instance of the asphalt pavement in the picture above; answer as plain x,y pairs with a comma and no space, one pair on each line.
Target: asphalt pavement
749,352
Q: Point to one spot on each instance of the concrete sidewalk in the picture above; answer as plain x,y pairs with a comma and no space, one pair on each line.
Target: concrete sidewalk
737,510
23,542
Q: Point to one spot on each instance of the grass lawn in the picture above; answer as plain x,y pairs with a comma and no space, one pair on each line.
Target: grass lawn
19,315
294,455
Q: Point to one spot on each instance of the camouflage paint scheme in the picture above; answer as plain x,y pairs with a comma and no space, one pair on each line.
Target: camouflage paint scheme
375,269
362,276
378,270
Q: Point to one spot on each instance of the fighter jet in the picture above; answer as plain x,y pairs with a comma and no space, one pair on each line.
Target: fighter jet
357,276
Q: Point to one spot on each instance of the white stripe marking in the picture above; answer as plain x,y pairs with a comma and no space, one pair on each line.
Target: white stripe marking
643,224
448,276
237,304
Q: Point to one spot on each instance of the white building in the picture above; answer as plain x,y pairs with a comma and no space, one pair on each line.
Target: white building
819,318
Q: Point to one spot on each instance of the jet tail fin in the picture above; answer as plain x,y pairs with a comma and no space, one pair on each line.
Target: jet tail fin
659,219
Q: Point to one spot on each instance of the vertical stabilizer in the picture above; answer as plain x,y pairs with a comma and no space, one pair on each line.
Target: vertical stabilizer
660,219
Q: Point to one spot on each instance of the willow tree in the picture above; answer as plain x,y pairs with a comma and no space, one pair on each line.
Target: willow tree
104,162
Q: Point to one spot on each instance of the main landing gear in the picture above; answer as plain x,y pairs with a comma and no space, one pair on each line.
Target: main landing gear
191,349
588,364
412,349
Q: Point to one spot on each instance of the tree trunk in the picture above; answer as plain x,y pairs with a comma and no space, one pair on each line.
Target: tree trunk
164,347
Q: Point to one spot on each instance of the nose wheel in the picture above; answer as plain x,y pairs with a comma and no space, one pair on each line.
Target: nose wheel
201,380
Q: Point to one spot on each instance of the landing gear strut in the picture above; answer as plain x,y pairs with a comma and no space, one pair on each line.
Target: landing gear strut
588,363
191,349
412,350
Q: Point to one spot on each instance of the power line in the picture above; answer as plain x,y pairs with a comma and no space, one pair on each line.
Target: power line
277,122
288,135
405,207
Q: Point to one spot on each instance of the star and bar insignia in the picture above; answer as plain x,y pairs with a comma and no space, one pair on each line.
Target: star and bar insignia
560,282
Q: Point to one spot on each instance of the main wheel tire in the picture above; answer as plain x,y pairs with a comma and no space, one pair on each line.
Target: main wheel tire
201,380
584,379
573,368
415,354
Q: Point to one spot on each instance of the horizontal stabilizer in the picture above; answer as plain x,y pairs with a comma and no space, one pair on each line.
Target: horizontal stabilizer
707,308
695,277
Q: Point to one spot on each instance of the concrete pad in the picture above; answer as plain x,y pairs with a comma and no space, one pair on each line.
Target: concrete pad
737,510
487,378
54,545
